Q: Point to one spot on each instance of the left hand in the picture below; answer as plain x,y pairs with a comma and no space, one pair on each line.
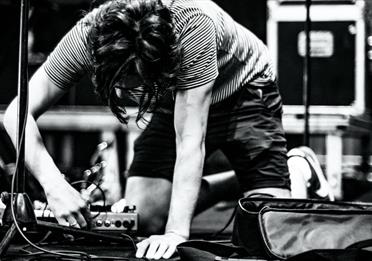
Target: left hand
159,246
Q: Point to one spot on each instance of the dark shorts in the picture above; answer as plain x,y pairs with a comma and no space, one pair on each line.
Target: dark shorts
246,127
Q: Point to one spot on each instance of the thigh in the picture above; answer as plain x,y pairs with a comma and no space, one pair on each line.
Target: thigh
251,135
273,192
151,196
148,193
266,170
252,116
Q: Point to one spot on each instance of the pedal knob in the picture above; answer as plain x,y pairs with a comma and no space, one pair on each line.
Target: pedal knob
126,223
118,223
99,223
107,223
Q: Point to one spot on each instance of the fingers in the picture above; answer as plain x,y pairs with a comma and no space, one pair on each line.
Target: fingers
155,247
87,217
142,247
160,251
152,250
72,222
77,219
38,205
119,206
80,220
170,251
62,221
67,203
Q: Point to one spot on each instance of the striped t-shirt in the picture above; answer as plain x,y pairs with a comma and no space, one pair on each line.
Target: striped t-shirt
214,47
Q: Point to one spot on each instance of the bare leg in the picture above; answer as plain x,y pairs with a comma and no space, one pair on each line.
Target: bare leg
151,196
299,172
276,192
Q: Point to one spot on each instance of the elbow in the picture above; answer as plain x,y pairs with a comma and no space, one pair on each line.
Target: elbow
191,145
191,152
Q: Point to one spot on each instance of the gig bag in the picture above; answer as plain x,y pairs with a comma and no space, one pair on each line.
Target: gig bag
274,228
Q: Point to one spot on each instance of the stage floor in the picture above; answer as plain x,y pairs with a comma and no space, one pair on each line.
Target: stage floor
203,227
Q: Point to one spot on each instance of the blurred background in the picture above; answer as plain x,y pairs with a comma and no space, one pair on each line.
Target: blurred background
341,64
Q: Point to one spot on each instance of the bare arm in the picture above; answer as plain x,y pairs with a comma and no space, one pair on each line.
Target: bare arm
191,115
42,94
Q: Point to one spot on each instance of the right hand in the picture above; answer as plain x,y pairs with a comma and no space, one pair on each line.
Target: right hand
66,203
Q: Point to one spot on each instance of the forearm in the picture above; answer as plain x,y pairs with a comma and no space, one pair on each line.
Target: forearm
185,190
37,159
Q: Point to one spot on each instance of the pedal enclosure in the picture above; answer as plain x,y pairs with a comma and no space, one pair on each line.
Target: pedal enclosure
102,221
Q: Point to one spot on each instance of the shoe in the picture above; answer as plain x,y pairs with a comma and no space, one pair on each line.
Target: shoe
317,184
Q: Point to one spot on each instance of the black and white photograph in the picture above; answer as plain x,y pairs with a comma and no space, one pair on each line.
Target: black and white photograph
186,130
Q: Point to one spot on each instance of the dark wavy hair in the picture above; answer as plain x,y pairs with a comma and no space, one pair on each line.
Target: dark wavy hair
133,37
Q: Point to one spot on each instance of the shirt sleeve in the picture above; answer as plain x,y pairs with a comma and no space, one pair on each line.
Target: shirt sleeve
199,53
70,60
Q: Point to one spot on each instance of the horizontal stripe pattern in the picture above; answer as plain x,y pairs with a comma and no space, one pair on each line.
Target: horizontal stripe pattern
70,60
214,47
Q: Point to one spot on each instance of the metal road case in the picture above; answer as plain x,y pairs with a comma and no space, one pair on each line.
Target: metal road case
338,39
